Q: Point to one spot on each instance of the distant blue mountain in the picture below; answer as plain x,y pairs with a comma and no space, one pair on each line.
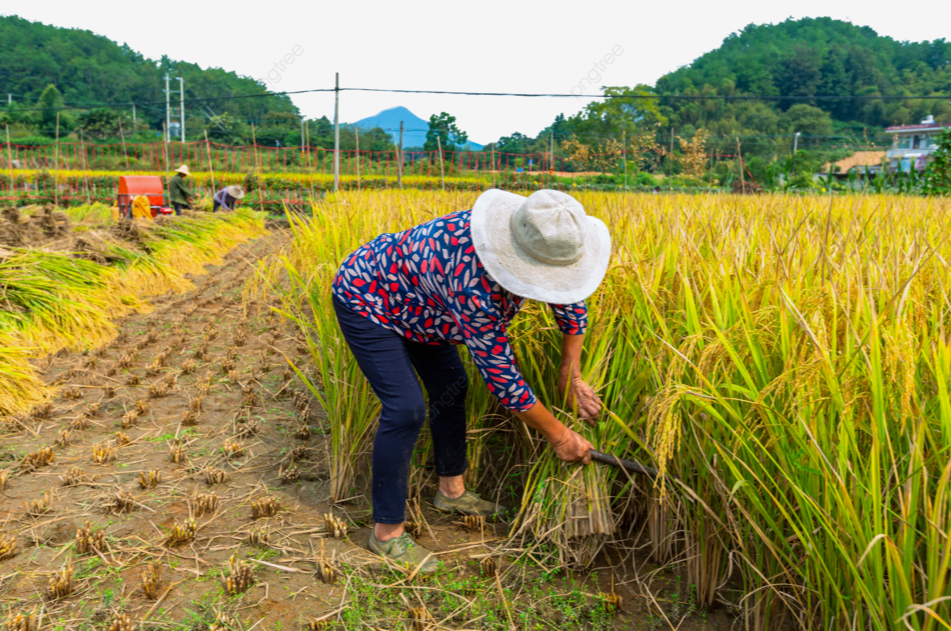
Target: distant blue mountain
414,127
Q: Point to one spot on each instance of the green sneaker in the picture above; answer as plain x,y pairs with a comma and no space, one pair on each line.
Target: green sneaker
404,551
468,504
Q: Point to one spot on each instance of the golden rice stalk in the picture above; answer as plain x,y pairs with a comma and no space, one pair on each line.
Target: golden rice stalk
233,376
289,473
61,583
122,439
258,537
334,526
240,576
264,507
36,459
151,577
286,375
319,625
158,390
8,545
141,406
240,339
72,393
201,353
195,403
42,412
110,392
227,366
214,475
251,398
62,439
103,453
488,566
188,366
73,476
41,506
204,503
233,354
203,388
152,369
129,419
171,379
421,618
298,453
303,431
181,533
88,540
472,523
4,479
80,423
326,570
90,363
132,380
20,622
177,454
125,361
122,622
300,400
232,449
91,410
247,429
189,418
120,502
151,479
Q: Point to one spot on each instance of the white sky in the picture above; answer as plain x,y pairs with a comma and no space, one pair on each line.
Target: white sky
483,46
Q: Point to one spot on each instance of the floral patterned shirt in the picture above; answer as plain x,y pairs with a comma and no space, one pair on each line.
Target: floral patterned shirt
428,285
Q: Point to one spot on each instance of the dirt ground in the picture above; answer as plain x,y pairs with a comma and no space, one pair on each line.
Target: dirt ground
279,454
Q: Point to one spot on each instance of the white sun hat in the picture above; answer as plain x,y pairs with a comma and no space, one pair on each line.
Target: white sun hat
183,169
543,247
236,191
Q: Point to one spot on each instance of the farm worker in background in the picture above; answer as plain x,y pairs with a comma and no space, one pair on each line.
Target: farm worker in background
404,299
178,193
227,198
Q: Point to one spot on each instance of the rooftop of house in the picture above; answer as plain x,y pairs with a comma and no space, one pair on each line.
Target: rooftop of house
926,124
859,159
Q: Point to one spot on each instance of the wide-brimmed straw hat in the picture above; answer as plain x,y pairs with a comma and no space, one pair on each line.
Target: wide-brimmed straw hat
183,169
235,191
542,247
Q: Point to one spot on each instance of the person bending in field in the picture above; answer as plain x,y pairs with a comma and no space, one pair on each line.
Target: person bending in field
404,299
178,193
227,198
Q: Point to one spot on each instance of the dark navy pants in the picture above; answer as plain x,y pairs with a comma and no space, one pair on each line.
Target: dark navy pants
391,363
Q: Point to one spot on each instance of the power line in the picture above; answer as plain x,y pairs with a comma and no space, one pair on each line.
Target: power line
675,97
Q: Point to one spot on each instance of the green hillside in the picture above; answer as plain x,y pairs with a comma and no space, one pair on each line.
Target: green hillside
808,58
88,69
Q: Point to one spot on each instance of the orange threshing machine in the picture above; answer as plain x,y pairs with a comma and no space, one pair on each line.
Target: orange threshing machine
149,186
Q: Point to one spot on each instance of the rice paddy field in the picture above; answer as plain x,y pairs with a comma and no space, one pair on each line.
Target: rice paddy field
782,359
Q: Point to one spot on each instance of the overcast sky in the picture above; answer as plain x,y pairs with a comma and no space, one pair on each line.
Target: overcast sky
485,46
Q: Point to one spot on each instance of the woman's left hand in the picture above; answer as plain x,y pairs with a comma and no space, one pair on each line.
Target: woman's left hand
579,394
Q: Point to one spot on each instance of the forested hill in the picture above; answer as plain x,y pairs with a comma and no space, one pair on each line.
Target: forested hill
810,57
89,69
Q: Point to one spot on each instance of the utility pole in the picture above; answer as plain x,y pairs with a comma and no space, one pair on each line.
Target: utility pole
551,138
9,99
442,172
133,118
356,137
181,94
624,153
399,159
337,133
168,110
795,146
302,141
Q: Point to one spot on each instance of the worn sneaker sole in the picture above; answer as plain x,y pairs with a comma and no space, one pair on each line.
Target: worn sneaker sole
430,568
449,508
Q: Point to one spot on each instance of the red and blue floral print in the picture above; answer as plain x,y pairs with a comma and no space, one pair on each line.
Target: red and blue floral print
428,285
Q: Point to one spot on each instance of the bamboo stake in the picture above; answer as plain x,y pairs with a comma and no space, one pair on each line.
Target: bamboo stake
165,152
442,172
10,162
257,168
82,144
356,133
56,167
211,169
125,151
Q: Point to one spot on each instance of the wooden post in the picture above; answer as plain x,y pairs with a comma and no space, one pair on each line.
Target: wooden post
356,134
10,161
624,154
125,152
165,153
56,167
739,157
82,144
257,165
442,172
399,159
211,169
670,168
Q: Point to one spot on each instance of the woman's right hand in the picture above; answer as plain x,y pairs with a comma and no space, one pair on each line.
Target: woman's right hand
572,447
